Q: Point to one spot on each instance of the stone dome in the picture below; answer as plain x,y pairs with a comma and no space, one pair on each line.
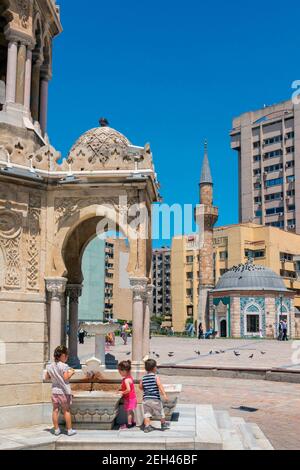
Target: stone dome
99,144
250,277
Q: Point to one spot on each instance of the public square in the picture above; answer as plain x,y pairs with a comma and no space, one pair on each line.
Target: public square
277,403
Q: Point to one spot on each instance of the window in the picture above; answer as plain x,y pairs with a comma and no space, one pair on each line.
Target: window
223,255
288,274
291,207
279,224
273,140
256,145
257,158
258,213
291,179
257,185
273,197
189,292
290,193
257,200
275,153
286,257
189,276
270,169
290,149
190,311
290,164
189,259
275,210
253,323
274,182
257,172
290,135
255,253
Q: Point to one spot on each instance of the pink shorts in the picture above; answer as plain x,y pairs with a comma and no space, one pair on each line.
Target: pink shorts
62,402
130,405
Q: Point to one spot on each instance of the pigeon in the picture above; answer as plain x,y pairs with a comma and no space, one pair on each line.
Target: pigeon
236,353
217,352
263,352
157,355
222,352
128,354
171,354
198,352
211,352
252,356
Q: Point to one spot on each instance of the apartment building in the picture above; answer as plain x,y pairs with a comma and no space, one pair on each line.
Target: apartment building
268,146
117,292
161,259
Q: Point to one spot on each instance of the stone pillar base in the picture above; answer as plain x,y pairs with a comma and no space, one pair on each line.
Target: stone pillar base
14,113
137,370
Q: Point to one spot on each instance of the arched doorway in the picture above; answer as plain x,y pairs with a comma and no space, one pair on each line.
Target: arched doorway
223,328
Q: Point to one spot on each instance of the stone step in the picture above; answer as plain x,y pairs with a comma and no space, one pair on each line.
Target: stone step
208,435
246,434
230,436
264,443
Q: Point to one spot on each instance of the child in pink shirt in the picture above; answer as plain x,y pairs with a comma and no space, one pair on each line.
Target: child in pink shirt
128,391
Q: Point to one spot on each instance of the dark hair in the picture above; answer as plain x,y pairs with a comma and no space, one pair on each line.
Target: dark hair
59,351
125,366
150,365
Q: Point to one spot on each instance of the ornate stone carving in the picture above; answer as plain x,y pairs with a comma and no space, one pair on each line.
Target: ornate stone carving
56,287
24,11
33,242
74,291
10,235
99,145
138,286
67,207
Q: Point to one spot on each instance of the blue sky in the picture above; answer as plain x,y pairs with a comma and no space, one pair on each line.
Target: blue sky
173,73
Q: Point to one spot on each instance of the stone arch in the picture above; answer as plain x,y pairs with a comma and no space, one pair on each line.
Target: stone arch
38,32
253,308
81,229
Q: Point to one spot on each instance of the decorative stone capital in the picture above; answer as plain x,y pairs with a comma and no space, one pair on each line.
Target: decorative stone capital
148,296
74,291
19,37
138,286
56,287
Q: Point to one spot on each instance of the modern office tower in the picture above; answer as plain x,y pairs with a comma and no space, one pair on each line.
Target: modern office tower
162,282
268,146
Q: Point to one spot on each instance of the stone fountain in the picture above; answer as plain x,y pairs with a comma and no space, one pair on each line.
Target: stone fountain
96,365
94,408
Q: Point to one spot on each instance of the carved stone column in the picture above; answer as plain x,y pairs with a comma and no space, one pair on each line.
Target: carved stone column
28,70
11,71
64,319
56,287
44,104
35,88
74,291
20,85
148,308
138,286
